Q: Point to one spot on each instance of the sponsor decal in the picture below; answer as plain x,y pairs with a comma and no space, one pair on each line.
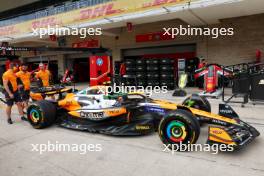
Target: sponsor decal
92,115
99,11
142,127
218,122
226,111
99,62
79,16
45,22
217,132
155,109
115,112
154,3
94,43
8,30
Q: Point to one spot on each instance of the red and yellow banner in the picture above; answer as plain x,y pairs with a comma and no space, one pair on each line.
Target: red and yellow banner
79,16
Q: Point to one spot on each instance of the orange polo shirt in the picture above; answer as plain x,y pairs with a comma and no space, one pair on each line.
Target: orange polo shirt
11,77
44,76
25,78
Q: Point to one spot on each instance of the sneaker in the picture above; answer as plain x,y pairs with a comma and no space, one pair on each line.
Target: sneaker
10,121
23,118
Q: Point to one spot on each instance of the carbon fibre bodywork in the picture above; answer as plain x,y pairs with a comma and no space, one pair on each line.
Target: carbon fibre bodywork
134,114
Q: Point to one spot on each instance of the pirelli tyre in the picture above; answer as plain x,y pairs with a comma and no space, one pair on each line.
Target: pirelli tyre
167,61
130,83
153,83
142,82
140,62
141,75
153,75
152,68
130,62
197,102
152,62
130,69
140,68
179,127
130,73
167,68
41,114
167,76
169,84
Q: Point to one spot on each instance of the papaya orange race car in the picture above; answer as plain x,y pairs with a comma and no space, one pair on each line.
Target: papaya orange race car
135,114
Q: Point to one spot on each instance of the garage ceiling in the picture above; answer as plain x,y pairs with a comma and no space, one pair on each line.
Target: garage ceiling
7,5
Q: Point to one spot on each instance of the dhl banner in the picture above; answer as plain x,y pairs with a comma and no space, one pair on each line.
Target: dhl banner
87,14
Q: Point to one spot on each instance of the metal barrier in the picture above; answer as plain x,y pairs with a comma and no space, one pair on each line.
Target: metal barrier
246,83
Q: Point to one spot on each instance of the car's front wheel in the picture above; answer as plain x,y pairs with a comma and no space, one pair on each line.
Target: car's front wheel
41,114
179,127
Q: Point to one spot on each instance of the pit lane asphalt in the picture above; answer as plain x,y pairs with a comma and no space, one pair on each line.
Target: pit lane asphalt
130,156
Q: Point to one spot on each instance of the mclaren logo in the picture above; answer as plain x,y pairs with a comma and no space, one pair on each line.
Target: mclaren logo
261,82
92,115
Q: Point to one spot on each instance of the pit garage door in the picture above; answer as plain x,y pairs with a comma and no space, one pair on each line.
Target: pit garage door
158,66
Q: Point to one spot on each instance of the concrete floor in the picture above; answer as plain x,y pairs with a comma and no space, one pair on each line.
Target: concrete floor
131,156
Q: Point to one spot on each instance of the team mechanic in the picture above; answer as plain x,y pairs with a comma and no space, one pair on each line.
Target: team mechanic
24,77
11,92
44,75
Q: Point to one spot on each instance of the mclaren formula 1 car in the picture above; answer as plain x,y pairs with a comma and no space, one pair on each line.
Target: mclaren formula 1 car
135,114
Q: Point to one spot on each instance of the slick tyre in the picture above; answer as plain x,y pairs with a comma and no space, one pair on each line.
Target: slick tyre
140,68
166,61
166,76
141,75
166,68
152,68
41,114
130,69
152,62
141,62
130,62
169,84
153,83
179,127
142,82
153,75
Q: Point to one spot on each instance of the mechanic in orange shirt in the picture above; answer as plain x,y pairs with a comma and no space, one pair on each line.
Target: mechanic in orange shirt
24,77
11,92
43,75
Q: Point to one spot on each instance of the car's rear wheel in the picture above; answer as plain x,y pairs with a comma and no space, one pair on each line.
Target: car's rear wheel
179,127
41,114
